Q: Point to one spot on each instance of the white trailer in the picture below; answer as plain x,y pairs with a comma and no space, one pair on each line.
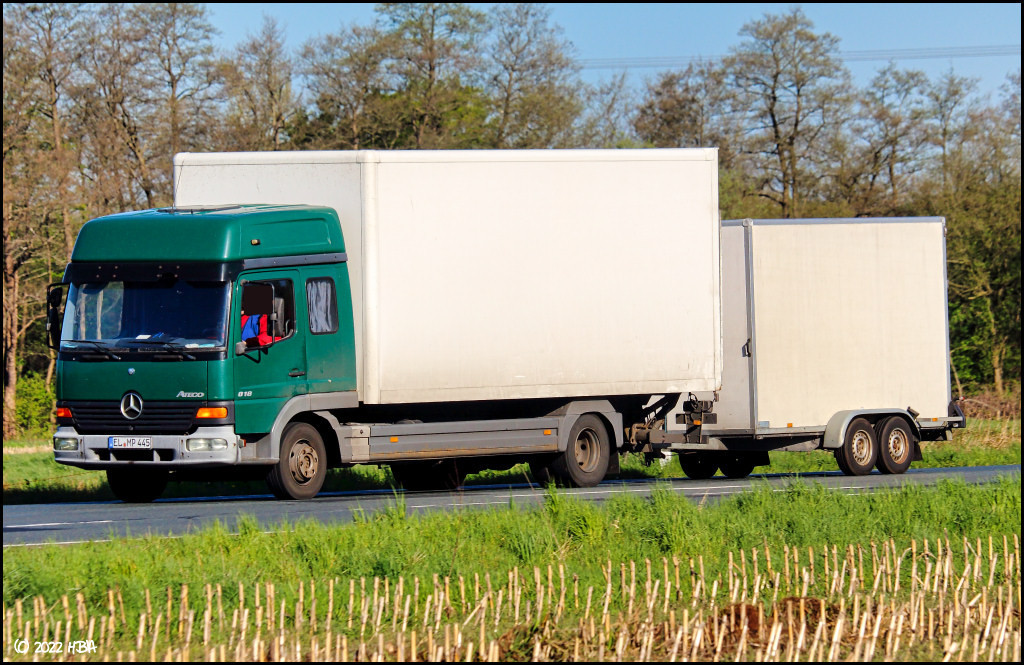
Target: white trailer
836,337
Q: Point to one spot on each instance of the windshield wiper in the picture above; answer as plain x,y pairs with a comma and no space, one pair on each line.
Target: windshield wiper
169,346
99,347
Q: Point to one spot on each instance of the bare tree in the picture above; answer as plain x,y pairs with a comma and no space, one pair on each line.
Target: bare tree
885,148
24,202
532,79
608,116
689,108
117,110
258,82
949,108
437,48
178,58
793,89
348,76
53,33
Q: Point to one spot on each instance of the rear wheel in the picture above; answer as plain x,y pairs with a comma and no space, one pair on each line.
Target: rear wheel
136,485
895,445
302,466
736,466
585,460
698,466
859,451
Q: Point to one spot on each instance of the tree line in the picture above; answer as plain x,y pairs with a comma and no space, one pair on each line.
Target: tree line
99,97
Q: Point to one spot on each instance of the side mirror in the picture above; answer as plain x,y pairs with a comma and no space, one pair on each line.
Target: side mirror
54,297
240,348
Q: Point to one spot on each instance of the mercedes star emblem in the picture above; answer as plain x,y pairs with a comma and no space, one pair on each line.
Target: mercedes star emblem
131,405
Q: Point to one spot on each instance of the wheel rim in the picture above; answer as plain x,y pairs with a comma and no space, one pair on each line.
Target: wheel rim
303,462
898,444
860,447
587,450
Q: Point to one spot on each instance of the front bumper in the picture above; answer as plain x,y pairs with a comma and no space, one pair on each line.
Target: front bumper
168,451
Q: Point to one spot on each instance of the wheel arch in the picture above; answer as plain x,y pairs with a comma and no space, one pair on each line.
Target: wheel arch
603,409
835,430
302,408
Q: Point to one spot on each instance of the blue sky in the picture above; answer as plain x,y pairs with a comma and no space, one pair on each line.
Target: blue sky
620,32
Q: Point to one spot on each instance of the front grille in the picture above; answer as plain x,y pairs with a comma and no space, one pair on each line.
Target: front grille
156,418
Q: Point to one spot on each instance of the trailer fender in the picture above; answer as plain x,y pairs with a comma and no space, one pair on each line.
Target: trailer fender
835,431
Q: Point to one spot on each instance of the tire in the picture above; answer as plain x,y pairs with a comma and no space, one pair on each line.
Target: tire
736,466
541,472
698,466
895,445
302,467
587,456
859,451
428,475
136,485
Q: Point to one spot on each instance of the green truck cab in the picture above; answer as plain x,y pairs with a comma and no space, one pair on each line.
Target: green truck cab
154,372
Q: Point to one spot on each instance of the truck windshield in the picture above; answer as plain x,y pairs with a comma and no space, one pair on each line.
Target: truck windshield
146,316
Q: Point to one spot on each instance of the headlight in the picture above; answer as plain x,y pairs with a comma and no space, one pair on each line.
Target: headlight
205,445
64,443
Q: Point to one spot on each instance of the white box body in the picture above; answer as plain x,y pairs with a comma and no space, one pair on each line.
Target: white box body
486,275
823,316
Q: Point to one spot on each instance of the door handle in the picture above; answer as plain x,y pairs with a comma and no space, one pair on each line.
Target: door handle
297,372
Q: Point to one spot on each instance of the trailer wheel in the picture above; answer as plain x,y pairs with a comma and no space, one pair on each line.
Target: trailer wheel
134,485
895,445
698,466
585,460
736,466
859,451
428,475
302,467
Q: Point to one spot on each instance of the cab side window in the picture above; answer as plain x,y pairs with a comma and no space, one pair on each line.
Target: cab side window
268,311
323,306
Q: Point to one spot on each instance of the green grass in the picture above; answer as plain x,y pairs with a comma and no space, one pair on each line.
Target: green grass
583,536
33,477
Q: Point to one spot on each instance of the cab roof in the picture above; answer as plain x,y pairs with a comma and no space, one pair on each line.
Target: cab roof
210,233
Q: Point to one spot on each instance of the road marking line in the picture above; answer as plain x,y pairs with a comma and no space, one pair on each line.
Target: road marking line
15,526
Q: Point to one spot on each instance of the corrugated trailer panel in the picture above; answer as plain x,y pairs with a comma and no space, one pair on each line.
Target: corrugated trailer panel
510,274
848,314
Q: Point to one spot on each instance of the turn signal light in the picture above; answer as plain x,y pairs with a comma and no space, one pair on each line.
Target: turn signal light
212,412
63,412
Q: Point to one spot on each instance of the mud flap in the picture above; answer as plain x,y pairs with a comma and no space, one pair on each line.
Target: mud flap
613,465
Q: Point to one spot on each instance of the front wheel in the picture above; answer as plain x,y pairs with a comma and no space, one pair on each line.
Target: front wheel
302,466
859,451
135,485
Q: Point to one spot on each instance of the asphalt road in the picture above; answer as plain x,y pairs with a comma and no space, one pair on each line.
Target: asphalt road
79,522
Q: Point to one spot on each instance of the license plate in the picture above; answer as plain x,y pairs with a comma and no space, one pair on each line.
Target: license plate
130,442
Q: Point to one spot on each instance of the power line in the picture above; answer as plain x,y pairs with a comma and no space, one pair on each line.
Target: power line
942,53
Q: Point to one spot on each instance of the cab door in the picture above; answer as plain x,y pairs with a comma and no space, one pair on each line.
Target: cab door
272,370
